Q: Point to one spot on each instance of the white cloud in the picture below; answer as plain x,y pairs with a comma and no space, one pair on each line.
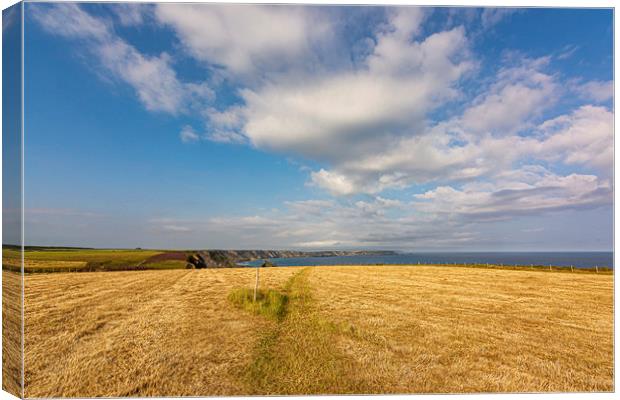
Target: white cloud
330,118
343,115
546,192
224,126
243,37
445,154
131,14
69,20
519,94
419,159
175,229
567,52
320,224
597,91
152,77
370,125
231,137
406,22
483,141
444,216
336,183
169,226
188,135
584,137
61,212
10,17
492,16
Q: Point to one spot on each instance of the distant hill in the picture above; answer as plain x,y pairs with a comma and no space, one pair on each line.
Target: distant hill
230,258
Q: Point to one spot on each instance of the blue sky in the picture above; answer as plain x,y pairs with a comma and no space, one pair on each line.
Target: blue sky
11,127
228,126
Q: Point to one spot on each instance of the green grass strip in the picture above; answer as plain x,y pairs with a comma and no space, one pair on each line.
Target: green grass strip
300,355
269,303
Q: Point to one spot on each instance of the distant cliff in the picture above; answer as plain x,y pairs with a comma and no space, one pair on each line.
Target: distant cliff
230,258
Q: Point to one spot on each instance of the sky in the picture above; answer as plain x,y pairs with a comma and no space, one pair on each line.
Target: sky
318,127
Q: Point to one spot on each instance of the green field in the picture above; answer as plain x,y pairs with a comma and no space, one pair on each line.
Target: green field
75,260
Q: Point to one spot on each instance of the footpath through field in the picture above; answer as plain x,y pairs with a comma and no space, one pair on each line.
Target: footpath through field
299,355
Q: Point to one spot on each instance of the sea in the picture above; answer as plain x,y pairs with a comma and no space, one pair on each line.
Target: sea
560,259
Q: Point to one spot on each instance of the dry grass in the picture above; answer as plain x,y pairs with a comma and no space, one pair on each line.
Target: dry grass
143,333
426,330
345,330
11,332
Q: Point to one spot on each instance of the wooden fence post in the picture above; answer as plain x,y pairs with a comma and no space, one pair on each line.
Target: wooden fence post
571,269
549,267
596,269
256,284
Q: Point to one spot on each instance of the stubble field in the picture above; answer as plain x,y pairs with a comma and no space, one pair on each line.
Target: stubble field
337,330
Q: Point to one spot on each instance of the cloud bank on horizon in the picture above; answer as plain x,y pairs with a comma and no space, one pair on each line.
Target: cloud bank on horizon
413,128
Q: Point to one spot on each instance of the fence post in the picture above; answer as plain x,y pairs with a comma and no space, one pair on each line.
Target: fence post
256,284
571,269
596,269
549,267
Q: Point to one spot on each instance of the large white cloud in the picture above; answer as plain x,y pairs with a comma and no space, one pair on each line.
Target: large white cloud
350,113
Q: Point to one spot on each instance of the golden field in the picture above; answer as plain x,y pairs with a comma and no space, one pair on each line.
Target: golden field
371,329
11,332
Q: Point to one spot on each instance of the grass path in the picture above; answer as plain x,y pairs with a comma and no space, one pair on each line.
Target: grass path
297,355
